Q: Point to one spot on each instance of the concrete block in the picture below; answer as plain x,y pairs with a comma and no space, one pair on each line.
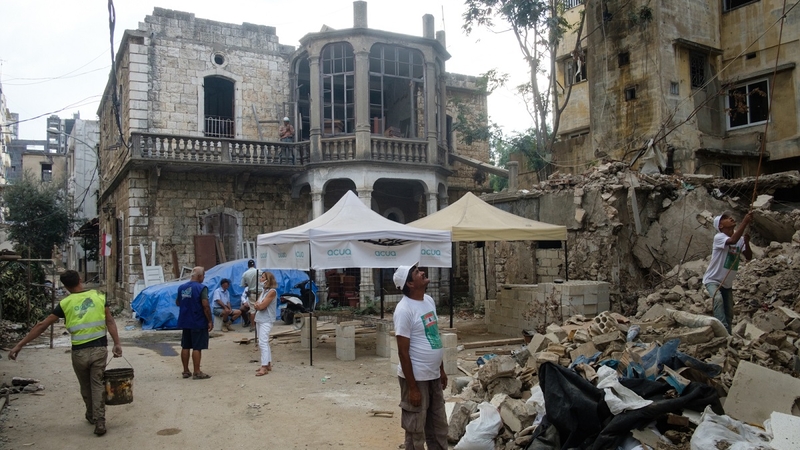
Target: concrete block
602,341
785,431
538,342
345,352
586,349
497,367
558,331
757,391
552,337
691,336
345,331
307,341
449,340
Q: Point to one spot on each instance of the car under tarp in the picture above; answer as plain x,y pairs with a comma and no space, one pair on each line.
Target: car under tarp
155,305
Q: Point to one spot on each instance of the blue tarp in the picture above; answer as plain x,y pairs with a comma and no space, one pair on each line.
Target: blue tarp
155,305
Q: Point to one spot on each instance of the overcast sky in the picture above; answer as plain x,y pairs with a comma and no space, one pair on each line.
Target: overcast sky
55,55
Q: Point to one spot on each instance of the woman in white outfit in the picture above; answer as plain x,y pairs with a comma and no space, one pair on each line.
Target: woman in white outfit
266,311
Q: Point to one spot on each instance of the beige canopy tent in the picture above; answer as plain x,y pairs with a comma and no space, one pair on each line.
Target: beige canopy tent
472,219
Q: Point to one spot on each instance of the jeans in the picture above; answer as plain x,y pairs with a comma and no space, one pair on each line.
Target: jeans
723,303
89,365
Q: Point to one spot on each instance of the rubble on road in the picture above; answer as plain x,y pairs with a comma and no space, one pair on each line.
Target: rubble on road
671,351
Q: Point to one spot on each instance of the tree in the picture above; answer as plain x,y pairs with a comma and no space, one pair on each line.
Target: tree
39,216
538,26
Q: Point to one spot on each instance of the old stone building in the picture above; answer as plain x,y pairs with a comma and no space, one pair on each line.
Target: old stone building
706,82
189,152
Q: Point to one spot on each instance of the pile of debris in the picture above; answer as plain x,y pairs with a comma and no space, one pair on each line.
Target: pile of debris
618,381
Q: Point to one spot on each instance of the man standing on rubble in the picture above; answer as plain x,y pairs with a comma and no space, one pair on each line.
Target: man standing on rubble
421,371
87,318
730,244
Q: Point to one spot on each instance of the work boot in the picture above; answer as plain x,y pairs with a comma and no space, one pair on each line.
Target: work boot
229,326
225,327
100,427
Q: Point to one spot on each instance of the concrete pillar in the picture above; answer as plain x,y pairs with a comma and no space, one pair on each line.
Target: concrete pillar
305,339
315,131
450,358
362,105
360,15
317,205
383,339
440,36
394,359
346,340
366,286
427,26
513,174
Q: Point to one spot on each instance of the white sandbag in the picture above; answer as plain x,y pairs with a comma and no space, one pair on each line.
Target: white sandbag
618,397
725,432
696,321
537,400
482,431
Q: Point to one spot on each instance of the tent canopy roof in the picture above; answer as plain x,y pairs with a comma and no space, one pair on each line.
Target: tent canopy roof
472,219
350,219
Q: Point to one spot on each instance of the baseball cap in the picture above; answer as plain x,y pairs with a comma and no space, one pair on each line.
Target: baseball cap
716,222
285,119
401,275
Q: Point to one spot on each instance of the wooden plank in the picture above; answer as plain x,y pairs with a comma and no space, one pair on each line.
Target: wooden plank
498,342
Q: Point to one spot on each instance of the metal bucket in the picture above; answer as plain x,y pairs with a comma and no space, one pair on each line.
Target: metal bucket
119,386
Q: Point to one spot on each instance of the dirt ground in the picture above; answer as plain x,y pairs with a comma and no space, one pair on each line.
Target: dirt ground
299,405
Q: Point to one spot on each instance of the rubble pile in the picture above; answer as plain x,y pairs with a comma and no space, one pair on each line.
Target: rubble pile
672,338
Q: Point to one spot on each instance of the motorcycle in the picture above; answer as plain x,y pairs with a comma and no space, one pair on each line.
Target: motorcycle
292,306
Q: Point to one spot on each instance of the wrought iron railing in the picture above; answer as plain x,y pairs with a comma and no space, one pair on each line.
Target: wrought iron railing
219,127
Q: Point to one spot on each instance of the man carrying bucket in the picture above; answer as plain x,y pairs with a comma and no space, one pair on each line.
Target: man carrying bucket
87,318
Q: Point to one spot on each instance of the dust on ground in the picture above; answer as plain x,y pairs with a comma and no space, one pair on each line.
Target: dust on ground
311,400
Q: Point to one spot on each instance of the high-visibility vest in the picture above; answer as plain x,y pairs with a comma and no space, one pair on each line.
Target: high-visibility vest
85,314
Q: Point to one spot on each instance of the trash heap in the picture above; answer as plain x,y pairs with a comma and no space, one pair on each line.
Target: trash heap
669,376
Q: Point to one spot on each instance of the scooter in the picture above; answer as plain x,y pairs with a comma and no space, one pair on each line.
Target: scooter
293,306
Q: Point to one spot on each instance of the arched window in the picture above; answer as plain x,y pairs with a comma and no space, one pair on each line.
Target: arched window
338,89
397,91
218,107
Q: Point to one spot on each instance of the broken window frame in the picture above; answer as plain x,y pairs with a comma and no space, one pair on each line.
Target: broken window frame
219,109
569,4
728,5
390,67
749,92
47,173
337,63
571,73
730,171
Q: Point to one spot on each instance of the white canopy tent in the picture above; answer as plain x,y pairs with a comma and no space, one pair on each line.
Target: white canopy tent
350,234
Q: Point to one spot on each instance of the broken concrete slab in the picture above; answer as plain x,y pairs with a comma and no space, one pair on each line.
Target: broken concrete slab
538,343
557,330
586,349
497,367
785,431
757,391
515,413
602,341
768,322
690,336
656,311
459,419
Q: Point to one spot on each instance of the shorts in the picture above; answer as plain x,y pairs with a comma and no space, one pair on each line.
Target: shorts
195,339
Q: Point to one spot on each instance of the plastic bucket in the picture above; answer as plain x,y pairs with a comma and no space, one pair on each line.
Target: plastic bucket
119,386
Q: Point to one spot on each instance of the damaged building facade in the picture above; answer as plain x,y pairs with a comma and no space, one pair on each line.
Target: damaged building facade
705,83
190,158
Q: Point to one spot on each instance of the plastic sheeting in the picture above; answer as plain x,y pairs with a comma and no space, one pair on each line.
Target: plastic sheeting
579,413
155,306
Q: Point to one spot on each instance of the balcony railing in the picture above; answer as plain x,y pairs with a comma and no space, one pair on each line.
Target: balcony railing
190,149
219,127
398,150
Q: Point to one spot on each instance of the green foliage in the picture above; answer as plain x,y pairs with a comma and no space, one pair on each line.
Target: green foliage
472,127
14,293
38,215
525,143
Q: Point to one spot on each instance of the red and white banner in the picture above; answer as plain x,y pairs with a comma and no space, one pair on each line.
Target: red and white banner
105,245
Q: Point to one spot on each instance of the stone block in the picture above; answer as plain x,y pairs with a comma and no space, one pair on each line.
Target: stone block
509,386
757,391
345,352
538,342
691,336
497,367
514,412
655,311
541,358
558,349
586,349
307,341
752,332
558,331
602,341
449,340
768,322
459,419
552,338
785,431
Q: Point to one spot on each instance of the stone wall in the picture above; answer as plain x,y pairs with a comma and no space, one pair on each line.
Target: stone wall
533,307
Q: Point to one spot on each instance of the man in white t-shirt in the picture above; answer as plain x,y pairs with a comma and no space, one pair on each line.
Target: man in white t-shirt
730,244
421,372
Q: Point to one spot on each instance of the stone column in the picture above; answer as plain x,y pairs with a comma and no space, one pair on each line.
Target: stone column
315,131
362,105
430,109
316,204
367,285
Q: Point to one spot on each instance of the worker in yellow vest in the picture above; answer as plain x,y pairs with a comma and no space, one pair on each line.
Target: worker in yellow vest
88,319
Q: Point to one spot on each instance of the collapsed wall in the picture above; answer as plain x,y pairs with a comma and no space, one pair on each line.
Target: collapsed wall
630,229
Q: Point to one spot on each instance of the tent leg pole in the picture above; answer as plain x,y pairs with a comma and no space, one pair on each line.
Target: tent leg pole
452,267
380,289
566,262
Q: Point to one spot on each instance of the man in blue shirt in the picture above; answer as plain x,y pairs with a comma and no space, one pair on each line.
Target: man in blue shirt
195,320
